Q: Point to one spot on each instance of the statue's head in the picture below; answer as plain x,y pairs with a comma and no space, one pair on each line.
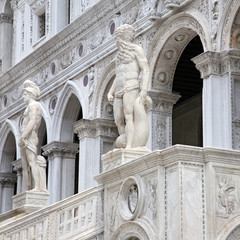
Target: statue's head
31,89
125,32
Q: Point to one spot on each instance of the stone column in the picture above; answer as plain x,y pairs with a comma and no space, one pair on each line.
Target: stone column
7,183
215,69
6,40
96,137
61,169
161,119
17,167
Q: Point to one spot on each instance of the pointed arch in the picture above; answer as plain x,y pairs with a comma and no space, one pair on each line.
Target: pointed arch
103,82
9,126
70,89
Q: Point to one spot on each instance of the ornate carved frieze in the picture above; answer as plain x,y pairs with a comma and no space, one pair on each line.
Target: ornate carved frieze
173,4
94,128
61,148
36,5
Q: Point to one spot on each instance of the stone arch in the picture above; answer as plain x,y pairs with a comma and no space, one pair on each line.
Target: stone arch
227,21
230,230
69,91
7,128
134,230
104,84
174,35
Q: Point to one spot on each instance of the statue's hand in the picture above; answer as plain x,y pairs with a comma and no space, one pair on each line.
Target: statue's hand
110,98
21,142
143,95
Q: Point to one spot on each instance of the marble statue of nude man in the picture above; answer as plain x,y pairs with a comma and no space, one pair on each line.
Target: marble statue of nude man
33,178
127,93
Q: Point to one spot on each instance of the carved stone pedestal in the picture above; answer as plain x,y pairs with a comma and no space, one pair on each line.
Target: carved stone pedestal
117,157
30,201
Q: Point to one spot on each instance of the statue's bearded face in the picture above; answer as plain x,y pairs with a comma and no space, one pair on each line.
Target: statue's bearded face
126,35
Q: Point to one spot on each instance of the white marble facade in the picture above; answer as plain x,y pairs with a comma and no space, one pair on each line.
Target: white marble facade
68,49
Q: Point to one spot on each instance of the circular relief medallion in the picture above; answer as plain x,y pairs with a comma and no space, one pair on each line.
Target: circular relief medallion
131,198
180,37
168,55
162,78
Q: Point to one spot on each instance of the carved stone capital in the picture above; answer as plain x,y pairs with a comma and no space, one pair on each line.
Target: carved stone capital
218,63
8,179
163,102
6,18
208,63
60,148
94,128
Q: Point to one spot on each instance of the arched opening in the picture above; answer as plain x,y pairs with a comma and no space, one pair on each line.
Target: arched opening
8,184
73,113
234,234
187,112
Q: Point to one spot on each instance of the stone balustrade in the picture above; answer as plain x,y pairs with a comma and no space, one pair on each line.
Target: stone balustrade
80,215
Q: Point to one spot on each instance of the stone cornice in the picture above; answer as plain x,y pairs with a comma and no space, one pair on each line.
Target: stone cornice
93,128
60,148
79,27
172,156
218,63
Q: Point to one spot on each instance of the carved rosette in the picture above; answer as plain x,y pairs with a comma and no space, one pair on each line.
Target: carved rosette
94,128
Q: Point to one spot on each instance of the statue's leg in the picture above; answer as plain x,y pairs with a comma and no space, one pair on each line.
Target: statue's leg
118,115
25,170
32,158
128,105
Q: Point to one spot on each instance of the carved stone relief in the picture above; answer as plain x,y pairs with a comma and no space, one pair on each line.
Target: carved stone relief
113,210
151,189
226,198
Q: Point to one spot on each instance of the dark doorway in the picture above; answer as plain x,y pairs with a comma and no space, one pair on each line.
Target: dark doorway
187,112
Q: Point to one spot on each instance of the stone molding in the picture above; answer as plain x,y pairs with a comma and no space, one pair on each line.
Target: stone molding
94,128
62,148
8,179
6,18
218,63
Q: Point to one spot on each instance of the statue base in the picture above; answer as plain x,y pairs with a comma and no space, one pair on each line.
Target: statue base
117,157
30,201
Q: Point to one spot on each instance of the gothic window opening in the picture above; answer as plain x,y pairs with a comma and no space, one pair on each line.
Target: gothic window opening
187,112
42,25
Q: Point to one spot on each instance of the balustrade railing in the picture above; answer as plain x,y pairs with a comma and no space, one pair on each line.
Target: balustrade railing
77,217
